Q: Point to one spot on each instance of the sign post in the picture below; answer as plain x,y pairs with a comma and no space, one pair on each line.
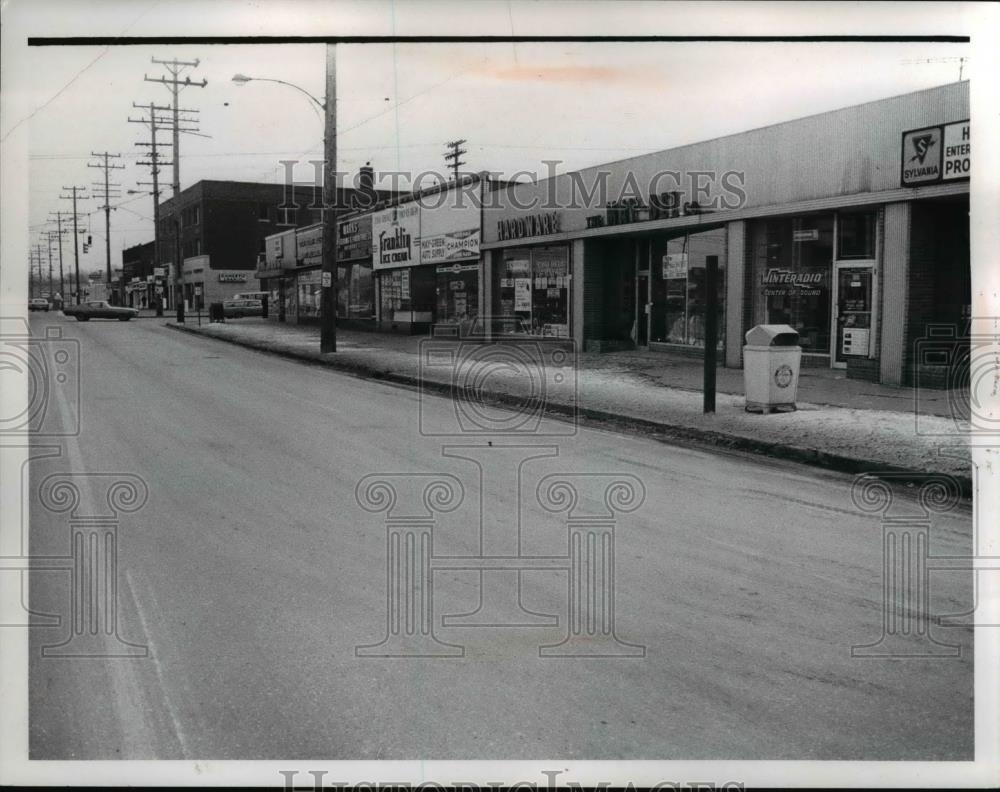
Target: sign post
711,330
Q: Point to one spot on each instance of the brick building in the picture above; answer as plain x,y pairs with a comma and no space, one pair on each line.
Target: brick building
217,229
137,278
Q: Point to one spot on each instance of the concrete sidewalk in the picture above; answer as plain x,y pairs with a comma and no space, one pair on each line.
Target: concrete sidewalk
842,424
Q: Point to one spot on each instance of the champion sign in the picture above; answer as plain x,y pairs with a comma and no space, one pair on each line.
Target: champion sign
450,246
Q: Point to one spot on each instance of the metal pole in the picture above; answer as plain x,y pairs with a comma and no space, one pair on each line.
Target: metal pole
179,280
711,330
328,288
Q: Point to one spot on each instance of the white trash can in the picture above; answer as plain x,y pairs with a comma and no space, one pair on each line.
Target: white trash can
771,360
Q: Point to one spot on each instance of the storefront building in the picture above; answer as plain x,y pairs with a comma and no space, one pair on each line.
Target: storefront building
355,279
426,258
851,226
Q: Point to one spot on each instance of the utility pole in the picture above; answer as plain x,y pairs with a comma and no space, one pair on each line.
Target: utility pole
48,236
59,234
76,242
453,155
154,165
175,84
328,285
107,195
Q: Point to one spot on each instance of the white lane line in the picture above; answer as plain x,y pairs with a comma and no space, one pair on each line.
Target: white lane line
154,656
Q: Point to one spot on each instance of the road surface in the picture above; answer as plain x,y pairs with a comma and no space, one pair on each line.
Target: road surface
251,575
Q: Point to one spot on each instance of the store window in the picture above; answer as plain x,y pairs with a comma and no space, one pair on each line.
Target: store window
856,235
533,291
792,270
408,294
458,293
360,291
679,293
310,294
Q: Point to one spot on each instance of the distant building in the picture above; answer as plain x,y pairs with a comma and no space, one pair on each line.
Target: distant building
217,230
138,277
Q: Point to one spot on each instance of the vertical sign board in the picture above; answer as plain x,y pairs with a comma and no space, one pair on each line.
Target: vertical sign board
936,154
396,237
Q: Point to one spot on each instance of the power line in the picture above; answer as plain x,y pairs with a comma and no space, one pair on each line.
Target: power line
455,152
107,193
76,244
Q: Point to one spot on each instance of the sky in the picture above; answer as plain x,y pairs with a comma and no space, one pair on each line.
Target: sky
516,105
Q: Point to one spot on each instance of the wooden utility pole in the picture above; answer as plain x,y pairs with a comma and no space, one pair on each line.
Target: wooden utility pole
59,234
154,164
175,84
108,191
455,152
328,286
76,244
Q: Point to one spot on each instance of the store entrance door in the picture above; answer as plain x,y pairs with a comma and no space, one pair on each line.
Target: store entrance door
642,304
853,317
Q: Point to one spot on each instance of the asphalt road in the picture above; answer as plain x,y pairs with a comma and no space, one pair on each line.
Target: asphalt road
251,575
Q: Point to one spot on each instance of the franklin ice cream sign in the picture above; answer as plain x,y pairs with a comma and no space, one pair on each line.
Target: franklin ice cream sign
396,237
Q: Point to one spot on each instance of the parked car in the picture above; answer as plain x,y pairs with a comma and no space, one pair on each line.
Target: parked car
99,309
38,304
237,309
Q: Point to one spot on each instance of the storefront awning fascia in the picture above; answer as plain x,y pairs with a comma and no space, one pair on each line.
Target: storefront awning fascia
714,219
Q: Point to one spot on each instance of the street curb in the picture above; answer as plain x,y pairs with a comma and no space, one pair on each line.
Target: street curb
631,425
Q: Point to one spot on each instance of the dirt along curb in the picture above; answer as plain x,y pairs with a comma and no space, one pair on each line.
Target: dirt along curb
659,430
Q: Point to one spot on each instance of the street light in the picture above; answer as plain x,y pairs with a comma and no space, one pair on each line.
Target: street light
242,79
328,310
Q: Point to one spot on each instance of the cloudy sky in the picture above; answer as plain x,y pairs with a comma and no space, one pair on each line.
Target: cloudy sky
516,104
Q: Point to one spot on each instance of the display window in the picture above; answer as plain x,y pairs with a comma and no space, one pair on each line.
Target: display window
533,291
408,294
679,293
457,293
792,270
309,294
856,235
360,291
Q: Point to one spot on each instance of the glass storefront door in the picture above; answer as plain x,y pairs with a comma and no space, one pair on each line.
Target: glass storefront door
854,313
642,310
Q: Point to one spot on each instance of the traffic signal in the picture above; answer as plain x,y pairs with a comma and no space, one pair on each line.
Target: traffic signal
89,240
